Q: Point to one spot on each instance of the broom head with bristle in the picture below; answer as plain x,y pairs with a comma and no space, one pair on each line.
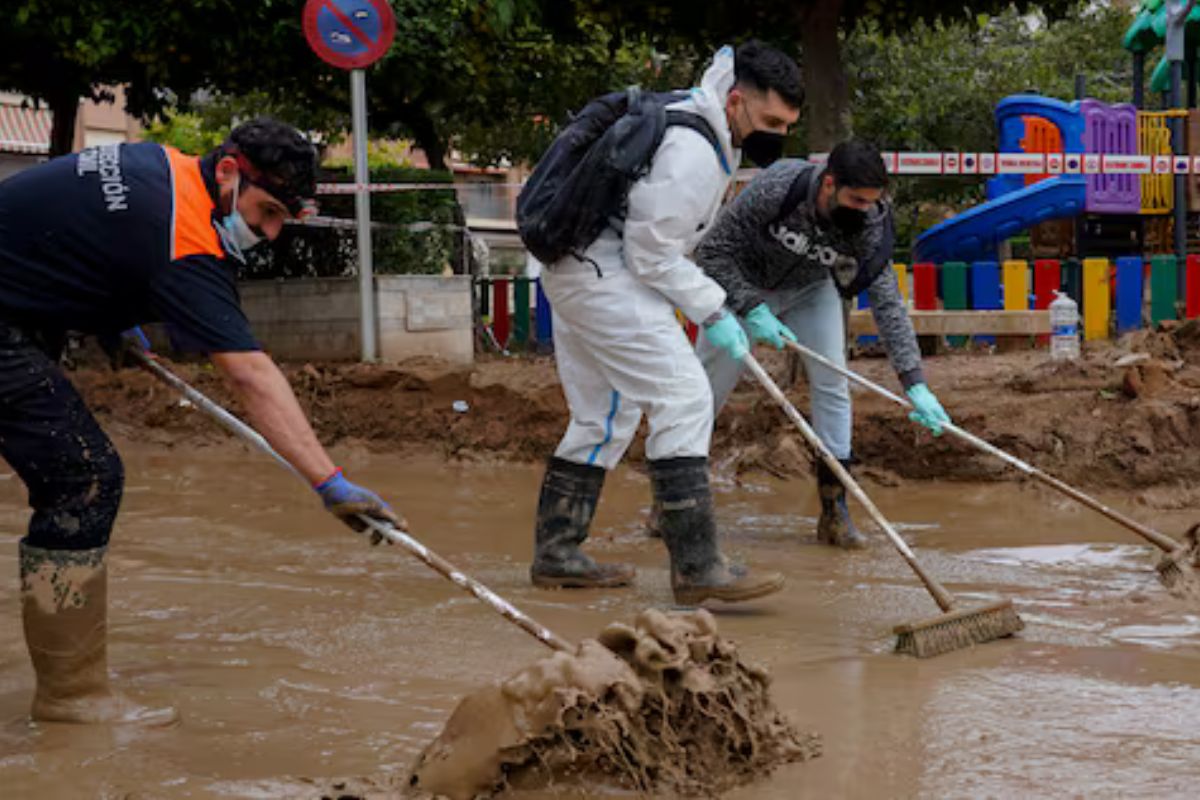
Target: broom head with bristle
1177,570
955,630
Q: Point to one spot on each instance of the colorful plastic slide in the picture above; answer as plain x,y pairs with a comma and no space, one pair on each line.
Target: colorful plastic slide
975,234
1082,126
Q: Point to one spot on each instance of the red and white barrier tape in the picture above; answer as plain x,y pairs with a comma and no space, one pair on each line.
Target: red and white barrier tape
351,188
917,164
1037,164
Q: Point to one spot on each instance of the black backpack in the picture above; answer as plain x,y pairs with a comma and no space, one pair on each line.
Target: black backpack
584,178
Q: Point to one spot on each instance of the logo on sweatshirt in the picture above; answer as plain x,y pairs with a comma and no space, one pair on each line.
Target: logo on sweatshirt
803,245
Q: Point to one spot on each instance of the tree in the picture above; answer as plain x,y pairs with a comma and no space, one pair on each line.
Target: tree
57,51
486,72
812,29
486,77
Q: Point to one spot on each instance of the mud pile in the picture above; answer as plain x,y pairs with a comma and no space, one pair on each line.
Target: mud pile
666,705
1127,416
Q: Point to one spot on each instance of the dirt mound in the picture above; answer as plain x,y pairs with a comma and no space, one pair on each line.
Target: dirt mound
666,705
1127,416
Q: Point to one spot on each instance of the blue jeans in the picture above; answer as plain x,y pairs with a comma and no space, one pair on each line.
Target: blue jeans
814,314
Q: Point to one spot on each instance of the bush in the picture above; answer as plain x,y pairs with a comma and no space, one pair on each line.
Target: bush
421,232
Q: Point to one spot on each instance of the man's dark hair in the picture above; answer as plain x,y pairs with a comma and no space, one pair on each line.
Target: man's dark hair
277,157
764,67
856,163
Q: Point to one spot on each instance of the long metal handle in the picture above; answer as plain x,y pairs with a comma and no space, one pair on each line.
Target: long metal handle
384,529
943,597
1160,540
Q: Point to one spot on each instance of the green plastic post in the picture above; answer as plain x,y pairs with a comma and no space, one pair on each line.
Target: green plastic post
1164,288
521,311
954,294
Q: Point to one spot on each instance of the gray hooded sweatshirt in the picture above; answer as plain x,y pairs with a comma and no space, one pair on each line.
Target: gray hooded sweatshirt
750,251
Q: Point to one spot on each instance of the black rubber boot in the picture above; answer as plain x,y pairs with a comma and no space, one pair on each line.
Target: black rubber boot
835,527
689,529
566,506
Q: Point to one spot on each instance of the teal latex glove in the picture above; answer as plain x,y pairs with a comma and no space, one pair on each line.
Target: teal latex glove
726,333
766,327
926,408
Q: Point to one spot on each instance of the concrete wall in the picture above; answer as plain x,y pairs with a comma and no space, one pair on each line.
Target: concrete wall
318,319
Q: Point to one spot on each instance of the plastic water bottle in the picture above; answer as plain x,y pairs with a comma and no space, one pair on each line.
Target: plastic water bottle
1064,328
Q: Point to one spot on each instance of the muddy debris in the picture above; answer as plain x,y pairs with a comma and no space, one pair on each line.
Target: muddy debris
1083,422
1146,379
666,705
1185,567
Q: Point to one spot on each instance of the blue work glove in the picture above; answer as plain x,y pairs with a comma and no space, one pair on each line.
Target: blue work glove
726,332
926,408
347,501
766,327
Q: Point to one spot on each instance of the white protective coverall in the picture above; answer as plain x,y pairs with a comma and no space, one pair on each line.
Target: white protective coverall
620,349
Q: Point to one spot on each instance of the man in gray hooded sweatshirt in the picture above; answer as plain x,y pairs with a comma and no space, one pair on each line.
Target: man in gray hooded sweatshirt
790,247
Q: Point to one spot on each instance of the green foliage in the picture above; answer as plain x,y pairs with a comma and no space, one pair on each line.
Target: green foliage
534,82
59,50
935,87
185,132
382,154
419,232
462,71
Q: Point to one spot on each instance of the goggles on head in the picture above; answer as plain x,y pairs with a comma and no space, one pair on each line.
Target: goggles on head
298,206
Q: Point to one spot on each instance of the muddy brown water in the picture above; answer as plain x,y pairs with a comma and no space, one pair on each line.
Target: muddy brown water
296,651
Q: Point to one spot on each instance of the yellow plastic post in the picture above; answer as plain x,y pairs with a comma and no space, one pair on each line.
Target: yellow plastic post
902,279
1016,286
1096,299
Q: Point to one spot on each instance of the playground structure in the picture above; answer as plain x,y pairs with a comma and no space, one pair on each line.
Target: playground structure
1123,228
1112,214
1035,124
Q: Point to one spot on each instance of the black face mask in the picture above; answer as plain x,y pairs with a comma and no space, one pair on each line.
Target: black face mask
849,221
764,148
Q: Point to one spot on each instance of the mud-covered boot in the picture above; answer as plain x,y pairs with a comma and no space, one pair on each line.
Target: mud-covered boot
689,529
64,607
566,506
835,526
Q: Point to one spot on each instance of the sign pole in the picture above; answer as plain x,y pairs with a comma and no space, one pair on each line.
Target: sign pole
362,214
352,35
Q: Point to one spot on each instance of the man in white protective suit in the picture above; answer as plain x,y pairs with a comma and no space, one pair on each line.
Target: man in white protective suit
621,352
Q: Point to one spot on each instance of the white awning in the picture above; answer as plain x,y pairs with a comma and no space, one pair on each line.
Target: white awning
25,129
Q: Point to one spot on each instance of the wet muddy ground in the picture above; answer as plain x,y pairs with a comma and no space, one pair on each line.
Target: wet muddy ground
297,653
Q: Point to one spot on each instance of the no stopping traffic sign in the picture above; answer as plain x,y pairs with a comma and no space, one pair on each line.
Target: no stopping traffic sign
349,34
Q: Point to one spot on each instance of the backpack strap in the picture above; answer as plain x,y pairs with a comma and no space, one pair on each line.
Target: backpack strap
797,193
700,125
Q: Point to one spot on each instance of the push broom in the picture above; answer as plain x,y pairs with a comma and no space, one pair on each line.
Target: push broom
1175,568
956,628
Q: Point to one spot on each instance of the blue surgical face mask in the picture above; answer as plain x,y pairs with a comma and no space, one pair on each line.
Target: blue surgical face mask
237,233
